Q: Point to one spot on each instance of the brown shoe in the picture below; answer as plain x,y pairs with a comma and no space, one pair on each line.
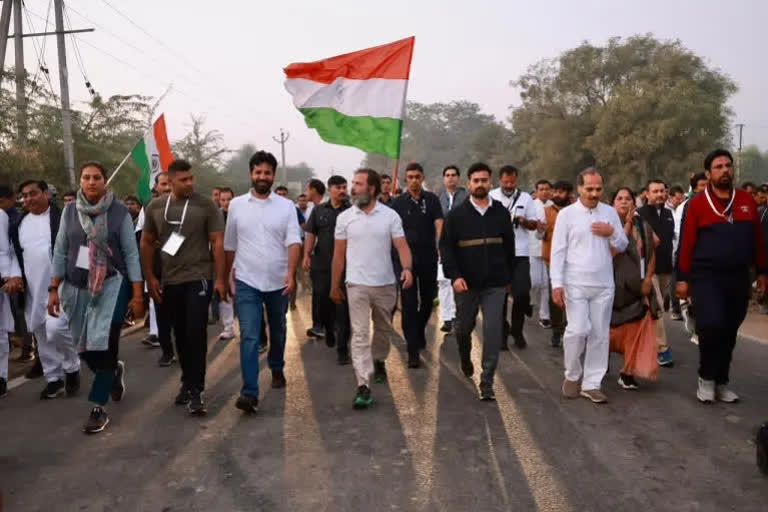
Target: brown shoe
278,379
595,395
570,388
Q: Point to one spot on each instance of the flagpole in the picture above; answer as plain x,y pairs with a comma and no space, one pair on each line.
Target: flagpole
120,166
394,176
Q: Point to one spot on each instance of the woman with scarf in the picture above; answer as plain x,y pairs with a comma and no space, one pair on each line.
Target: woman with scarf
96,276
635,303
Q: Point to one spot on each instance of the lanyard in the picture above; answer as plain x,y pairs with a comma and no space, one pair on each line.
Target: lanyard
511,207
183,214
727,210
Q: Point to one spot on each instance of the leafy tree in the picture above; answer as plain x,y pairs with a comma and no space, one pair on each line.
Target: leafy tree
637,107
754,165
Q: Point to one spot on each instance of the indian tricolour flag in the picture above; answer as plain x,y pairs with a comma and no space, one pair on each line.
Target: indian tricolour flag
152,155
356,99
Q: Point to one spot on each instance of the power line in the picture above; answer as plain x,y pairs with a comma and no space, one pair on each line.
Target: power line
78,56
40,52
158,41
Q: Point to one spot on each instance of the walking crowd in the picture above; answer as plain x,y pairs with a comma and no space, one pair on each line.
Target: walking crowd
599,272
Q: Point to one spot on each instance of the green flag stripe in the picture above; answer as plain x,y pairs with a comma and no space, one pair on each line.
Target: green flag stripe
371,134
139,156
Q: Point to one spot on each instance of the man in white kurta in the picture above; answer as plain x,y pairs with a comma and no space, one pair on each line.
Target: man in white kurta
539,269
587,234
58,354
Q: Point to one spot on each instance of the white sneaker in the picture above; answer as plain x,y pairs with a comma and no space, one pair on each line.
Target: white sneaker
706,391
227,335
726,395
695,339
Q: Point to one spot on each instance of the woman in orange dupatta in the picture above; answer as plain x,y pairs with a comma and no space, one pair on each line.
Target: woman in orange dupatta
635,305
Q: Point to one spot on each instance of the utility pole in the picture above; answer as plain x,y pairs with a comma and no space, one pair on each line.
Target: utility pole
739,161
66,115
282,140
21,74
5,24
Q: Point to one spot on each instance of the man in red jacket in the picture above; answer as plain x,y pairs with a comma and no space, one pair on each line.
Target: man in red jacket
721,240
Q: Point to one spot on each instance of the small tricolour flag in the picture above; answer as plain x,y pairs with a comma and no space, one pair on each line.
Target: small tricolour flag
356,99
152,154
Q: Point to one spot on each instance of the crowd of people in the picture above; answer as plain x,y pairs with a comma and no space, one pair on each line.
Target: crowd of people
599,272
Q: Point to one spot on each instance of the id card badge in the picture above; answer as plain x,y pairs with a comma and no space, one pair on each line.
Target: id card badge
82,258
173,244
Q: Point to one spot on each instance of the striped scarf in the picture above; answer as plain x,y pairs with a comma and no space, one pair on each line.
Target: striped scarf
93,219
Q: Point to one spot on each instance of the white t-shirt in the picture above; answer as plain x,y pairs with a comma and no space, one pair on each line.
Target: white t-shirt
519,204
260,231
369,244
534,242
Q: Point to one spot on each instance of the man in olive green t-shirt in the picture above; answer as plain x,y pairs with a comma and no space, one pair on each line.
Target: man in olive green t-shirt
189,229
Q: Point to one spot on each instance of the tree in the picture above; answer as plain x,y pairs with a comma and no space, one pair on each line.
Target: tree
205,151
439,134
638,108
754,165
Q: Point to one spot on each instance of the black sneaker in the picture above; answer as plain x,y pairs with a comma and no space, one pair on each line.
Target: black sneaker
151,341
314,332
166,360
196,406
627,382
520,341
468,368
414,361
545,323
447,326
247,404
278,379
343,359
183,397
3,388
363,398
556,340
486,393
72,383
26,356
118,385
97,421
53,390
379,372
36,371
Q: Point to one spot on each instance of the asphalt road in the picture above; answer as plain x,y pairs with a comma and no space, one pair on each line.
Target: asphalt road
427,444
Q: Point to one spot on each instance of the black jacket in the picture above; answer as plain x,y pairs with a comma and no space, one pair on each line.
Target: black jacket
55,219
478,248
664,227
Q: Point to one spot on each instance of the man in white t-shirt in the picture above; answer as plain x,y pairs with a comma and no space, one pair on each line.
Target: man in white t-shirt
365,235
520,206
539,268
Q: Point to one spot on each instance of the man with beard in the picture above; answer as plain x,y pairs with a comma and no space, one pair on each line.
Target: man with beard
262,241
561,197
478,254
189,229
318,258
720,241
587,235
364,237
662,222
519,204
422,219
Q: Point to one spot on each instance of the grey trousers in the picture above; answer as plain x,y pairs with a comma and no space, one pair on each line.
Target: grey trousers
491,302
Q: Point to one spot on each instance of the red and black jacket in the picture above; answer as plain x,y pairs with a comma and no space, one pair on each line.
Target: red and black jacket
711,244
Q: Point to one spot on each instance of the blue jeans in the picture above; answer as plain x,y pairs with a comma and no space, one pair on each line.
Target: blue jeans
250,304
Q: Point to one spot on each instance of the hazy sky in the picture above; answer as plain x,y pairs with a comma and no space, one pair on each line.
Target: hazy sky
226,57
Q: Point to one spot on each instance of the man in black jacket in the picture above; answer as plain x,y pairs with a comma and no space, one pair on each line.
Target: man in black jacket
662,220
478,255
422,221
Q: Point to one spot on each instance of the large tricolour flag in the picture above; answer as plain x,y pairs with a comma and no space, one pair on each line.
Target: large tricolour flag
152,155
356,99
